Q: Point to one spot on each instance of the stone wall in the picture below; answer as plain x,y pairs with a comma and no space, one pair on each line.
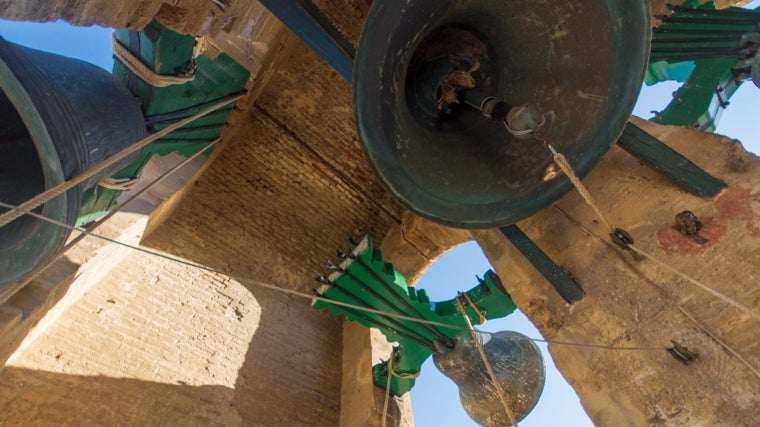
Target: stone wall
196,17
631,303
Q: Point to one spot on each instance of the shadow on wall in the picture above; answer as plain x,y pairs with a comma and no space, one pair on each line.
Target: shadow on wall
30,396
284,380
289,373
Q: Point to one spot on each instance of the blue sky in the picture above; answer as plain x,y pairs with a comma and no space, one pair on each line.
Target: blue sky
435,397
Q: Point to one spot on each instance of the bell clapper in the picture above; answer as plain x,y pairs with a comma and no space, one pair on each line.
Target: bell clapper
520,121
458,87
523,122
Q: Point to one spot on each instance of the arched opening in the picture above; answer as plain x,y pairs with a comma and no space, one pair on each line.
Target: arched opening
435,398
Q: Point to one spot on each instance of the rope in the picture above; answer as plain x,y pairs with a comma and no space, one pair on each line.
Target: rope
16,287
61,188
662,292
175,115
136,67
697,283
565,166
406,376
496,385
393,373
720,342
119,184
312,297
387,388
481,317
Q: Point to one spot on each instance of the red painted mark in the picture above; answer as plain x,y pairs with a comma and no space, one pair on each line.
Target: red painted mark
673,242
736,204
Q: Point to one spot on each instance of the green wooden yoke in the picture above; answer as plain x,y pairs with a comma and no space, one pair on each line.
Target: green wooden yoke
363,279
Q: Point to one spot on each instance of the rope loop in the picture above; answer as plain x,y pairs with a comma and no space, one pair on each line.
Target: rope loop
136,67
481,316
119,184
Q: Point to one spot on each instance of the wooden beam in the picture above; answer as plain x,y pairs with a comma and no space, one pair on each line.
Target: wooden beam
561,281
317,31
655,154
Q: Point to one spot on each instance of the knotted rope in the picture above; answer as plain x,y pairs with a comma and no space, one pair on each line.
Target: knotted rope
119,184
142,71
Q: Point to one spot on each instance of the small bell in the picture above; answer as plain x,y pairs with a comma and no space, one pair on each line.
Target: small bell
517,364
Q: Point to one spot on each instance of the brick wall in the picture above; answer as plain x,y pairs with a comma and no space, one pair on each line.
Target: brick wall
275,205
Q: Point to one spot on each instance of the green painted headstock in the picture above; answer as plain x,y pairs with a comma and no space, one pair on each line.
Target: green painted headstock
363,280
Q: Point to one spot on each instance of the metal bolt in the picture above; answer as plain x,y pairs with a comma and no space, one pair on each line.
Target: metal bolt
333,267
681,353
688,224
621,238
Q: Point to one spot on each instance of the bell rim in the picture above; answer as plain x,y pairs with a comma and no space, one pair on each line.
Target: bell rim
46,237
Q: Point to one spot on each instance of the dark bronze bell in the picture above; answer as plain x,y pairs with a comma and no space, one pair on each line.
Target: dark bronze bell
58,117
519,370
424,69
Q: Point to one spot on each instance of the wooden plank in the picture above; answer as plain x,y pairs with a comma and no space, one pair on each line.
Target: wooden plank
561,281
655,154
317,31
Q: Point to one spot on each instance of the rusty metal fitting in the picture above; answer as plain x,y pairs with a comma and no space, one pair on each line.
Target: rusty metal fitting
689,224
621,238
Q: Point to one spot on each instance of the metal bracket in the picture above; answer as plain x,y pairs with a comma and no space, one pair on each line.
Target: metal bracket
317,31
681,353
688,224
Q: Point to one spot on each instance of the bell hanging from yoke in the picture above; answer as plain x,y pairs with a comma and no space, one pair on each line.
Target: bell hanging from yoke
427,72
58,117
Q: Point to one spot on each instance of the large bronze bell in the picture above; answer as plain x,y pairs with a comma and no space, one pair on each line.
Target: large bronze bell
580,64
58,117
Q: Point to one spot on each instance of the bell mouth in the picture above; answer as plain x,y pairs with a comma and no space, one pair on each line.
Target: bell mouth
21,176
29,164
430,94
581,64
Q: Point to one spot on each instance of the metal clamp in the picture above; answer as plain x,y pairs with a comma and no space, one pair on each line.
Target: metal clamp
681,353
688,224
